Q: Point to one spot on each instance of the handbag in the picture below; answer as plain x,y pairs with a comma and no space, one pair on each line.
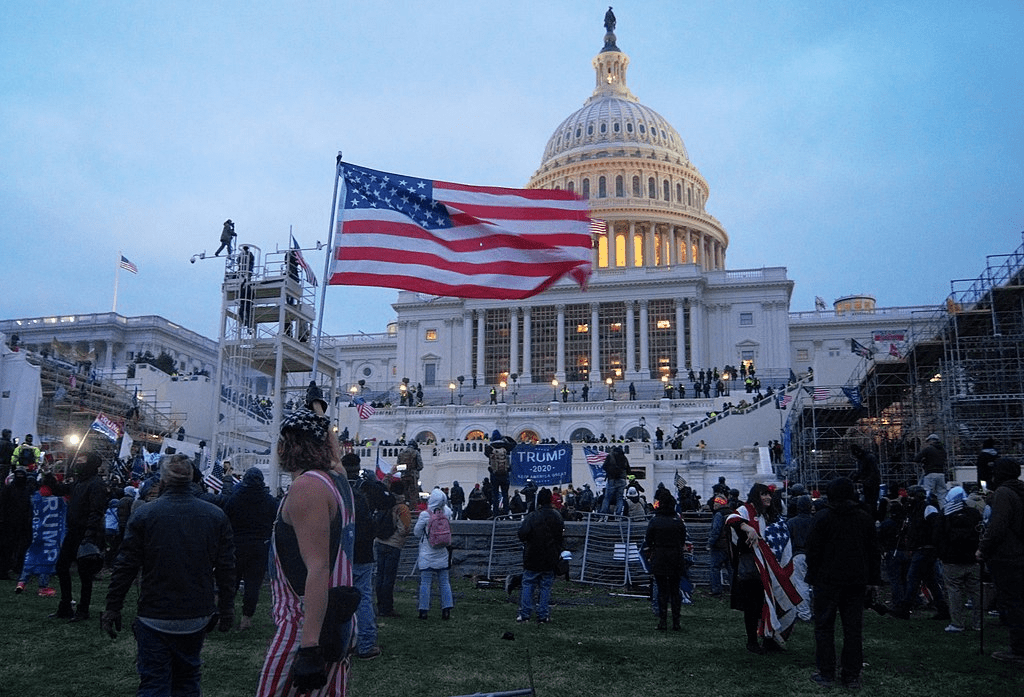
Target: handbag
746,569
336,632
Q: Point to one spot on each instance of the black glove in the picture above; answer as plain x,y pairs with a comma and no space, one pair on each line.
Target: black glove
110,622
309,672
225,622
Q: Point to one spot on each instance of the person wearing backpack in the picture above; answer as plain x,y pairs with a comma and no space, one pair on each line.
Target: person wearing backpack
433,528
499,463
26,455
956,533
388,548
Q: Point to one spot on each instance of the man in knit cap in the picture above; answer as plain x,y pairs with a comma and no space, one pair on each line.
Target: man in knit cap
184,549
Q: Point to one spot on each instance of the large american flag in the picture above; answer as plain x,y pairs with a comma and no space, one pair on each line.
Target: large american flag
455,240
821,394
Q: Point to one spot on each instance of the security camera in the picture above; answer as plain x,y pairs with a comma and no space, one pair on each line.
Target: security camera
192,260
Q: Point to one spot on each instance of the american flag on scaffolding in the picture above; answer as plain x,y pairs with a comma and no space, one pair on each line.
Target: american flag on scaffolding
820,394
785,399
214,479
595,458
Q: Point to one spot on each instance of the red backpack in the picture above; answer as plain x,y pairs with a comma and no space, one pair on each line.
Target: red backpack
439,529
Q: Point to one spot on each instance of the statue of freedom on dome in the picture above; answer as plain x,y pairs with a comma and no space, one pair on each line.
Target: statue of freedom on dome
609,19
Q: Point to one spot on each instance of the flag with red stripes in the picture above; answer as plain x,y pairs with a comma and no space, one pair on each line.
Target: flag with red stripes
448,239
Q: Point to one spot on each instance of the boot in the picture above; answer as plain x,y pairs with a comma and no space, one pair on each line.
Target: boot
64,612
423,614
662,623
446,613
675,623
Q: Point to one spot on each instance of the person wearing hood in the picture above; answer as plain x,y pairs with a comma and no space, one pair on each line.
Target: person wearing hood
251,510
15,523
1002,549
933,459
85,524
986,457
799,526
665,546
956,540
499,458
433,562
842,561
541,534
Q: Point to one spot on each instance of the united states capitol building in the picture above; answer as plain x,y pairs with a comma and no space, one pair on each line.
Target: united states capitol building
611,362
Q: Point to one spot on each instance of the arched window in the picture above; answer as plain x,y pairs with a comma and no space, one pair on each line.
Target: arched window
570,186
629,127
602,187
679,193
604,128
581,435
620,188
586,189
665,190
615,126
590,130
689,197
636,186
652,188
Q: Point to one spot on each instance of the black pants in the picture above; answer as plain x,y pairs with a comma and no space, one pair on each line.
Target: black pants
848,603
1009,580
68,552
251,566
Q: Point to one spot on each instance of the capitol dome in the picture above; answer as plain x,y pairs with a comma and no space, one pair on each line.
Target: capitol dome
632,165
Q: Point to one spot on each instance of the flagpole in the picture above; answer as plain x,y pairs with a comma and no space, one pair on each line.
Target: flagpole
117,275
327,266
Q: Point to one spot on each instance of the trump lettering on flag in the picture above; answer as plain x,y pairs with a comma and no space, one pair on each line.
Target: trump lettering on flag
454,240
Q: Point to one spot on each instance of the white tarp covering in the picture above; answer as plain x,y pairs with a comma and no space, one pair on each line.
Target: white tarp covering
21,390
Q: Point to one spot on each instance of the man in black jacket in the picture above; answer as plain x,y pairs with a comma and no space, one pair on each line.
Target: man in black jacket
85,524
541,532
184,549
842,561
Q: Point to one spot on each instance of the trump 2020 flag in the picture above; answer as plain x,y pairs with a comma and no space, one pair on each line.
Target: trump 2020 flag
455,240
104,425
595,459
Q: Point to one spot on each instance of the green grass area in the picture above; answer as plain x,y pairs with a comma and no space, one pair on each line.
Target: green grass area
597,644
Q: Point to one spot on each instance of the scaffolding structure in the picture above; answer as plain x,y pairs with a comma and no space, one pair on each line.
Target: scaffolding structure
959,374
265,360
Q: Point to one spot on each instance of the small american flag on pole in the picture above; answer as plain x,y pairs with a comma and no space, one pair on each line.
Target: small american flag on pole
364,408
306,268
820,394
127,265
214,479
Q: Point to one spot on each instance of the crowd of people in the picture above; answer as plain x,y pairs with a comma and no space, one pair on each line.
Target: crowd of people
333,545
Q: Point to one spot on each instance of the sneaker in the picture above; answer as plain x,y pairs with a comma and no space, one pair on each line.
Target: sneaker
521,618
543,620
822,680
47,592
1009,657
953,629
20,588
371,654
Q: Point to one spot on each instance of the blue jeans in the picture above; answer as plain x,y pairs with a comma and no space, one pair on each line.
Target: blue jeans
387,573
531,581
897,564
720,563
922,570
168,664
444,586
362,578
614,490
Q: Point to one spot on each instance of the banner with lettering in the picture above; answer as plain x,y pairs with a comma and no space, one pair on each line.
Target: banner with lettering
48,526
546,465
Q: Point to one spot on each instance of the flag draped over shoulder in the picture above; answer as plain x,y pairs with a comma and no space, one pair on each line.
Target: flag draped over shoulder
455,240
775,568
